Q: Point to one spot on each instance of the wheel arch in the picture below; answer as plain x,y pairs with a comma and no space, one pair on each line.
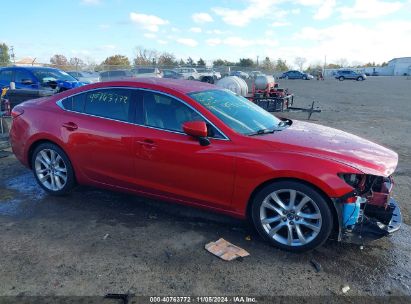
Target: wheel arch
281,179
38,142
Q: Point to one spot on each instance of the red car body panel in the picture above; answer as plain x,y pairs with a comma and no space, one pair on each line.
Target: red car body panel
173,166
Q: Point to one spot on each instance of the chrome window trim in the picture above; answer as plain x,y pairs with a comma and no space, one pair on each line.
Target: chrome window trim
59,103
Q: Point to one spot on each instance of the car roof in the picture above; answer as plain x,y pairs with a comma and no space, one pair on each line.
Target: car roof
30,68
177,85
121,70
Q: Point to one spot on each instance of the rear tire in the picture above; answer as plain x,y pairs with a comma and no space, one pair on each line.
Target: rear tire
341,78
292,216
52,169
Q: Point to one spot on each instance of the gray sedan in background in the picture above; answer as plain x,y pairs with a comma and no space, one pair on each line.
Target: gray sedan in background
349,74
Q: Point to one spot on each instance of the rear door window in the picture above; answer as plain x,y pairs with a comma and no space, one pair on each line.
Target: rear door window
5,76
74,103
110,103
21,75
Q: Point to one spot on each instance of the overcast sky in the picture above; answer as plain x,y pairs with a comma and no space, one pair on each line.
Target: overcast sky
357,30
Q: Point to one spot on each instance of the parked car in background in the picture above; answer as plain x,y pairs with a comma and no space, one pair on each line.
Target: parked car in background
172,74
37,78
240,74
223,71
296,75
188,73
209,73
85,76
116,75
201,145
147,72
350,74
254,74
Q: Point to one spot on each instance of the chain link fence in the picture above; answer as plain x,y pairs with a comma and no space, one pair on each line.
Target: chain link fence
223,70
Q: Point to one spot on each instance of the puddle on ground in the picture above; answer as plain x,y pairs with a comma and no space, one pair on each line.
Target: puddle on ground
14,197
26,185
10,207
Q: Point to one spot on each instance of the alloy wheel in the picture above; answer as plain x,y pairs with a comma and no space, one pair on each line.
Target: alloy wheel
290,217
50,169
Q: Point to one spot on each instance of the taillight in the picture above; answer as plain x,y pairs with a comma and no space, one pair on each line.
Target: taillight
16,112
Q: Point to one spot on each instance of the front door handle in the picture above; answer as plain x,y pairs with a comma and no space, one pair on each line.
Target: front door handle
70,126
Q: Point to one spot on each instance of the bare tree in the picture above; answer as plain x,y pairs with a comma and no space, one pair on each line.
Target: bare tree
90,62
59,60
166,59
145,56
77,62
300,61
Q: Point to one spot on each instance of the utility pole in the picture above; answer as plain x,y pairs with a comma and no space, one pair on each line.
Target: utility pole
257,59
325,64
12,54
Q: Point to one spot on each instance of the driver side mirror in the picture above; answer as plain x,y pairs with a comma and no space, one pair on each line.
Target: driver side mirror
197,129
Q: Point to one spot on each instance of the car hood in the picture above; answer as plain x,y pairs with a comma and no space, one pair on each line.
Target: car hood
312,139
69,84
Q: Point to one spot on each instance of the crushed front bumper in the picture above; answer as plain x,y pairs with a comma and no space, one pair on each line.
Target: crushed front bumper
369,229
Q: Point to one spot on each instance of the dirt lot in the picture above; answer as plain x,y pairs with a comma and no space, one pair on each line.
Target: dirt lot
94,242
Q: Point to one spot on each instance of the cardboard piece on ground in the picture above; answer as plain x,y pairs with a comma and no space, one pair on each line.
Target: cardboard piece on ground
225,250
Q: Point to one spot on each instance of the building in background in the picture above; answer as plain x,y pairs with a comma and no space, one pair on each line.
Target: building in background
395,67
400,66
27,61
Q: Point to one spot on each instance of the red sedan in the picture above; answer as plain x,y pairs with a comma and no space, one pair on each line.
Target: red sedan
197,144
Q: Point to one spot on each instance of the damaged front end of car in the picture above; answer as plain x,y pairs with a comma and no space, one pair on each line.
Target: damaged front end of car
368,212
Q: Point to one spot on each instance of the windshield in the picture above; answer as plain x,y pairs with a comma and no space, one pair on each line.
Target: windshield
46,75
235,111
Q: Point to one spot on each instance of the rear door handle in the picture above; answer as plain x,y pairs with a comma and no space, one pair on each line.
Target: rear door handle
70,126
147,144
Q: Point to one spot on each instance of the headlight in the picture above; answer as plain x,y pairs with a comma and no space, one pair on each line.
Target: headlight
351,179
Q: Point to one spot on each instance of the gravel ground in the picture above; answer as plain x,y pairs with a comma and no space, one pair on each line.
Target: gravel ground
95,242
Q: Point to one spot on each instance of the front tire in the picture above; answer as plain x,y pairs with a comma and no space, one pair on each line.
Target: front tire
52,169
292,216
360,78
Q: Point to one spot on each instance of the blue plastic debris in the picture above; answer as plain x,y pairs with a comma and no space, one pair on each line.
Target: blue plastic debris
351,212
